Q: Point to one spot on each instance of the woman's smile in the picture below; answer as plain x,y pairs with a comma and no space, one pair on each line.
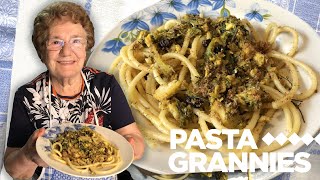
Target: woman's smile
67,62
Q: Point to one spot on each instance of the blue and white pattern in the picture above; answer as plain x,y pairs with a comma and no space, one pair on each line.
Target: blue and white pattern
9,12
158,14
5,76
57,175
174,5
8,21
282,3
87,6
318,25
52,174
6,40
257,13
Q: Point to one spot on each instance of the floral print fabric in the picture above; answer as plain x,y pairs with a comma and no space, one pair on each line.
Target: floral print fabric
31,106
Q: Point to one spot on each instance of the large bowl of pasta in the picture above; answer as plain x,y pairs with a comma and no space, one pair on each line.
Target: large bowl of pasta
215,65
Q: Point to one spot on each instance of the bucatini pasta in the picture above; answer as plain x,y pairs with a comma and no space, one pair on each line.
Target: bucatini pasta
208,73
85,151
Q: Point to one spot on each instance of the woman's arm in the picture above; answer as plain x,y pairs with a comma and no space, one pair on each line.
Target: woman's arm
134,136
122,120
21,163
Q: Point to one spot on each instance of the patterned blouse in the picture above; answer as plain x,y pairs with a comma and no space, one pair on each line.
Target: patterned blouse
31,106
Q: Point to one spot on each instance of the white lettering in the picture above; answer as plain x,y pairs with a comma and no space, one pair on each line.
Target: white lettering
306,164
195,139
284,164
247,135
230,133
256,162
198,161
216,157
174,140
273,162
234,159
183,164
215,142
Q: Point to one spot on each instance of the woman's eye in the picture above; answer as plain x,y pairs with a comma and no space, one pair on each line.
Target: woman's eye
56,42
76,41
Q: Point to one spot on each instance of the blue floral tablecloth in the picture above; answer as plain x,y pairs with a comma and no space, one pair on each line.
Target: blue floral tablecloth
8,21
307,10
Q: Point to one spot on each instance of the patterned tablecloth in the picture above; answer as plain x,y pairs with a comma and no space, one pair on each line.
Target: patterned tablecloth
16,18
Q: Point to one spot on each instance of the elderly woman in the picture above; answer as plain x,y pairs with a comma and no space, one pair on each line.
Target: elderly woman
62,36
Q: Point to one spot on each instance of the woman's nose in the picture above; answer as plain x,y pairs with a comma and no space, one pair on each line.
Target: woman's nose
66,50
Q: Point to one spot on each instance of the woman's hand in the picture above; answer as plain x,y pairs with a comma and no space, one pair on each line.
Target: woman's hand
134,137
29,149
21,163
135,140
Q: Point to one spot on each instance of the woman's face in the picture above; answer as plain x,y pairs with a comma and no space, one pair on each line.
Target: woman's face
66,49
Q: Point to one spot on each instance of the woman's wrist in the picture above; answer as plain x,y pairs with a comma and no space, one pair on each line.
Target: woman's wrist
18,165
27,157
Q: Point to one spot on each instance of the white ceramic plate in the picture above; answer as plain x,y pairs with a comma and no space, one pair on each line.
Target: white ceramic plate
259,13
43,148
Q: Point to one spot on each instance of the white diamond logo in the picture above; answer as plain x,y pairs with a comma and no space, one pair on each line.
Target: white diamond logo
294,139
307,139
317,138
268,139
281,138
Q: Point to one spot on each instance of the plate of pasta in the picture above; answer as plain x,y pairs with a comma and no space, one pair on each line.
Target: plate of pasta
85,150
214,65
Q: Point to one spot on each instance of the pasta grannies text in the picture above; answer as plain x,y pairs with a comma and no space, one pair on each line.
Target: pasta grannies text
194,161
